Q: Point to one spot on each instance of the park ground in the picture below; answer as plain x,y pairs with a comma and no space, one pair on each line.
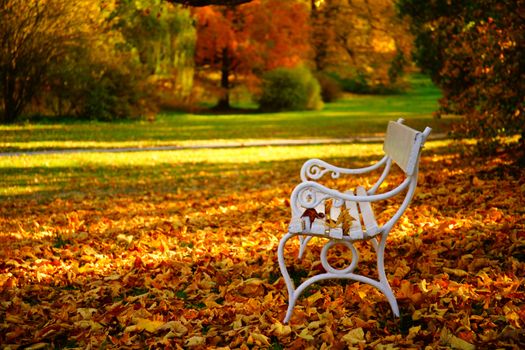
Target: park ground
177,249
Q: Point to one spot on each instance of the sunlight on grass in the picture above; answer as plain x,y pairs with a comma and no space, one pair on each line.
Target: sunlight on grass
26,175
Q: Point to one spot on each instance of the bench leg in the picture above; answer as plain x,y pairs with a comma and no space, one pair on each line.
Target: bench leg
284,271
294,293
379,246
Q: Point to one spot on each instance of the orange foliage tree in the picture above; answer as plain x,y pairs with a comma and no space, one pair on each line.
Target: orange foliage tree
244,41
361,41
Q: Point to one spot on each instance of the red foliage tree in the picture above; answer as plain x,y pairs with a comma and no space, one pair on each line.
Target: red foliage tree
242,42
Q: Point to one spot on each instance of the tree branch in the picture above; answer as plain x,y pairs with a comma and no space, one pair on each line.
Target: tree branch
200,3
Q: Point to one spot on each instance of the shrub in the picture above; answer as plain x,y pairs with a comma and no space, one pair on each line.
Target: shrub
115,95
360,84
330,88
290,89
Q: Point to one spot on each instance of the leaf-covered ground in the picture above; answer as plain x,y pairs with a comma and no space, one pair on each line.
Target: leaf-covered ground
192,263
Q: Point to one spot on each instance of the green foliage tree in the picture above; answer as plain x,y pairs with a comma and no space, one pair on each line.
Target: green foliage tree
290,89
163,37
474,51
92,59
98,79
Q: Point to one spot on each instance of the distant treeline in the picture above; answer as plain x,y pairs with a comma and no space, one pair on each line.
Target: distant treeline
114,59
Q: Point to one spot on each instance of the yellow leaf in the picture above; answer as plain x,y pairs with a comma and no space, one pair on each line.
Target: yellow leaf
413,331
237,324
455,272
37,346
458,343
113,277
355,336
305,335
314,297
148,325
477,182
511,313
314,325
279,329
176,327
89,324
385,347
423,286
455,342
195,341
14,319
362,294
125,238
86,313
260,339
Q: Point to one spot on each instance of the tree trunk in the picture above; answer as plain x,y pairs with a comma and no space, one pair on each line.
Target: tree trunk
10,104
224,101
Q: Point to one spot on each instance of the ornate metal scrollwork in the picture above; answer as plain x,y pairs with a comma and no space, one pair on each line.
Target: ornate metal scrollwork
326,263
317,170
309,197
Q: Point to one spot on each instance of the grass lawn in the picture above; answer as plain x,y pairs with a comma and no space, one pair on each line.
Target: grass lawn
349,117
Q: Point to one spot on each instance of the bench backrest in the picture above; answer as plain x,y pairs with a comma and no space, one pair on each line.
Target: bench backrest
403,144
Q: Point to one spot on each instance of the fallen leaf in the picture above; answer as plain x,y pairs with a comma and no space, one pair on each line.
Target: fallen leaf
195,341
355,336
148,325
305,334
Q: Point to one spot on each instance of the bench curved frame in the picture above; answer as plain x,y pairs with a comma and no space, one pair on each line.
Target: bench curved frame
311,216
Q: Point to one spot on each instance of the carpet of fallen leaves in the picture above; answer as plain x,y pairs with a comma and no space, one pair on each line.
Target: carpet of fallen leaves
193,264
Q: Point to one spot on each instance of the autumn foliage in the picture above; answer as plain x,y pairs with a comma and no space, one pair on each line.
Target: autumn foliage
192,263
474,51
243,42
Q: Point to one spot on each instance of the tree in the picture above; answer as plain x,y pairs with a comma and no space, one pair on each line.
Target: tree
360,40
474,51
244,41
34,37
163,36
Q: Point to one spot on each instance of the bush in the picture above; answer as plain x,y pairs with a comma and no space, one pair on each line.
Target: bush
290,89
356,83
360,84
115,95
330,88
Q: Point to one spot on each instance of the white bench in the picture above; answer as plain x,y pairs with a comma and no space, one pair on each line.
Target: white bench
346,217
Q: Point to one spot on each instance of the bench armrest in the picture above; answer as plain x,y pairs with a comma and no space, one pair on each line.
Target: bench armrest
310,194
314,169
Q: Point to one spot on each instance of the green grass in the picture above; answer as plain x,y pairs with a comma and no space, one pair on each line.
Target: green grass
349,117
